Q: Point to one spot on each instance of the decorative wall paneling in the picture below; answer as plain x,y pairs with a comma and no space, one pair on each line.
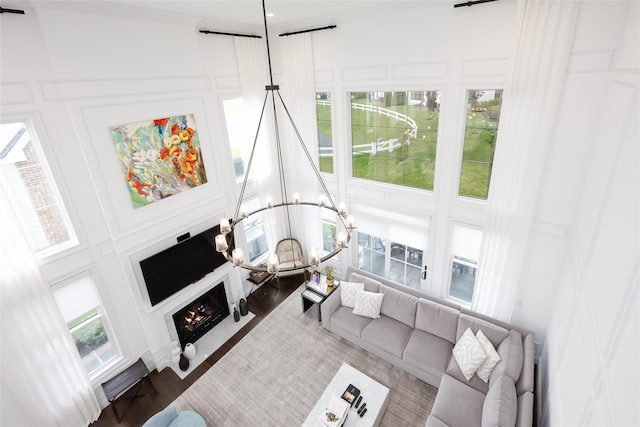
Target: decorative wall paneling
15,93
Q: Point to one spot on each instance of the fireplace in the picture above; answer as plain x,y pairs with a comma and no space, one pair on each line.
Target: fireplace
199,316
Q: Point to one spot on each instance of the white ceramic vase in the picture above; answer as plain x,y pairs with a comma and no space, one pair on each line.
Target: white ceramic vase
189,351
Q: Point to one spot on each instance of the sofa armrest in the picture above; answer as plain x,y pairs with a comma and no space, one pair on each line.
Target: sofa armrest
329,306
527,376
525,410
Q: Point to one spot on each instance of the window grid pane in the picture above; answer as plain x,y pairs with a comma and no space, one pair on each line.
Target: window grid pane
325,139
481,130
394,136
33,191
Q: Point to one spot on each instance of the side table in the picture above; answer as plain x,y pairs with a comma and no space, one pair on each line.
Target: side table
258,278
315,295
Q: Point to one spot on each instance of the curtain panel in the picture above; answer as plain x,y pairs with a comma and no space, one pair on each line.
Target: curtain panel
531,97
41,366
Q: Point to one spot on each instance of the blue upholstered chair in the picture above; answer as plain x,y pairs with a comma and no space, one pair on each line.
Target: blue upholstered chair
169,417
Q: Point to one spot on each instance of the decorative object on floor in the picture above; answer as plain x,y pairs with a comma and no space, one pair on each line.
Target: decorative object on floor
121,383
244,307
311,356
190,351
280,212
183,363
236,315
170,417
159,158
175,352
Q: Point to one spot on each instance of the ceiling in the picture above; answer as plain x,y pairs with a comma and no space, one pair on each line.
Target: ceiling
243,14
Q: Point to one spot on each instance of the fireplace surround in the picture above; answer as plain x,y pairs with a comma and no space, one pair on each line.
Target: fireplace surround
200,315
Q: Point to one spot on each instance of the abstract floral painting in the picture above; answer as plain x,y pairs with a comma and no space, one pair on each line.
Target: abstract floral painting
159,158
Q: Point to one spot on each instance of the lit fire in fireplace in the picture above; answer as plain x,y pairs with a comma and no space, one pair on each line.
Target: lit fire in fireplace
196,315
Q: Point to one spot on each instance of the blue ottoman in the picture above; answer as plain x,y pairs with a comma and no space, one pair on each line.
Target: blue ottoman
169,417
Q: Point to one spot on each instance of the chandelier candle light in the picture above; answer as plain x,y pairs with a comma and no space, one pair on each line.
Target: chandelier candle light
225,243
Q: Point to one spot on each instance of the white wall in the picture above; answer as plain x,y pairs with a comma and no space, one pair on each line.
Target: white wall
588,370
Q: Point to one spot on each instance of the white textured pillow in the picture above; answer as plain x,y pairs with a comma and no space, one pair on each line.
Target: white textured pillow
469,354
368,304
348,291
484,371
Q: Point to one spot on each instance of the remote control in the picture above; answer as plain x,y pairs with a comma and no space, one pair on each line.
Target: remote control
363,412
358,401
362,408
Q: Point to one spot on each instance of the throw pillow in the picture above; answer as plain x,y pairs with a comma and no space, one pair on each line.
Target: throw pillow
484,371
348,291
469,354
368,304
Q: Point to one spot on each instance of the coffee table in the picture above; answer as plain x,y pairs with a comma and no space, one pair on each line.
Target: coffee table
374,394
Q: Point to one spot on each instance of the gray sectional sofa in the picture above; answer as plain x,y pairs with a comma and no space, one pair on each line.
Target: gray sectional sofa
417,333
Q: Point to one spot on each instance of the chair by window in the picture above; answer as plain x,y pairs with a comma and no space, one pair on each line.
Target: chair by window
289,253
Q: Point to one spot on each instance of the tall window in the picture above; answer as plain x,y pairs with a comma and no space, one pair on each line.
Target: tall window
239,140
81,308
254,232
465,248
483,116
27,179
325,142
394,136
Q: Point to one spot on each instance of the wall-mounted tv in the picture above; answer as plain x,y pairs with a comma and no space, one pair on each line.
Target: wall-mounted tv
171,270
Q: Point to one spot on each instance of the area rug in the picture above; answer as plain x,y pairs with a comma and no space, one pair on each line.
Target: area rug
277,372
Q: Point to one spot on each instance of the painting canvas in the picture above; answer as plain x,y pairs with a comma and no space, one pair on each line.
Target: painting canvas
159,158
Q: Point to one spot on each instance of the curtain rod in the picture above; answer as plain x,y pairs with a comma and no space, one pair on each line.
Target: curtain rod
329,27
18,11
471,3
253,36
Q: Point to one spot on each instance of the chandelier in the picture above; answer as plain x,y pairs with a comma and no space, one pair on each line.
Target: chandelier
225,241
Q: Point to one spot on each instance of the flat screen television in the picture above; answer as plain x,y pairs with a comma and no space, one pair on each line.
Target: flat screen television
173,269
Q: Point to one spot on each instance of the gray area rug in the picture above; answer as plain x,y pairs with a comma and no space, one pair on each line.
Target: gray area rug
277,372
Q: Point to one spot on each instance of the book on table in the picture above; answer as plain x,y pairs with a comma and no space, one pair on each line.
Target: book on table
335,413
318,282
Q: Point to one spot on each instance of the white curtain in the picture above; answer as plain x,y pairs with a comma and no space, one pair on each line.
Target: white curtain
298,93
41,367
531,96
254,77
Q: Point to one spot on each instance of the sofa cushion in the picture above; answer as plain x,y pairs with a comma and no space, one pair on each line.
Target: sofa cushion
427,352
437,319
469,354
348,291
399,306
484,370
388,334
457,404
511,355
435,422
370,285
475,382
494,332
344,319
501,404
368,304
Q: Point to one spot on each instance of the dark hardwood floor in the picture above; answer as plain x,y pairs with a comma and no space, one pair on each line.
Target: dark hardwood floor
169,386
